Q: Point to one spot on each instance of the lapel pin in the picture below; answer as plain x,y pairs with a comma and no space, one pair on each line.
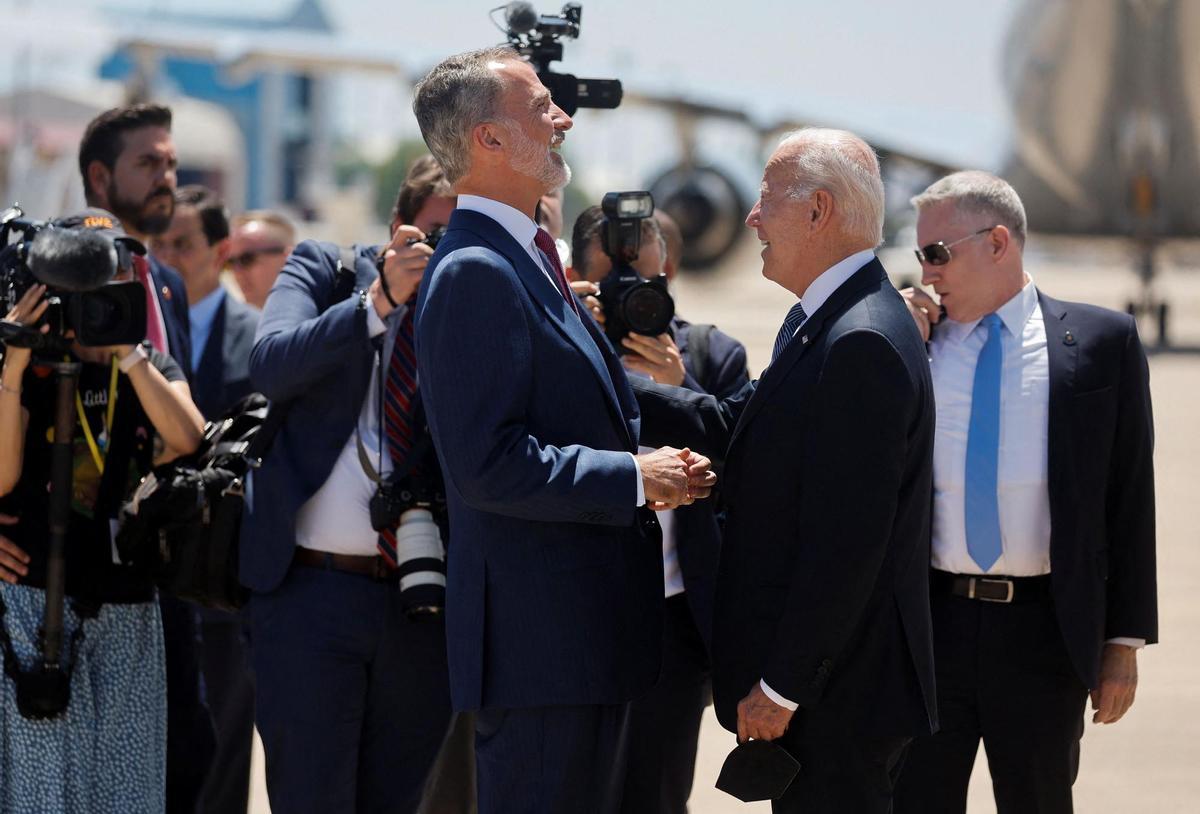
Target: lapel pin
166,292
803,339
1069,338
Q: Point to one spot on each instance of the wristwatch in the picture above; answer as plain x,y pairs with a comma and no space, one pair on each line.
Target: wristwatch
130,360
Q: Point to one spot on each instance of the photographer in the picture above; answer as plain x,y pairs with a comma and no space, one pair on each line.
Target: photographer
664,726
352,696
106,753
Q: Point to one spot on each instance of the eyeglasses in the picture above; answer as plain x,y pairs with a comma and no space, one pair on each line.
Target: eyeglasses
938,254
247,258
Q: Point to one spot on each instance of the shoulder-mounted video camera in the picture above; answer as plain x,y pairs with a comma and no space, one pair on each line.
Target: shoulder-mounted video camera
631,302
538,38
77,258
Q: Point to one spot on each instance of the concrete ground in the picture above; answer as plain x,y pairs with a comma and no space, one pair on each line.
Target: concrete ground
1149,761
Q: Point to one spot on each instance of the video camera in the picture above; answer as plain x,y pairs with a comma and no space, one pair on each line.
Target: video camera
76,258
631,302
538,38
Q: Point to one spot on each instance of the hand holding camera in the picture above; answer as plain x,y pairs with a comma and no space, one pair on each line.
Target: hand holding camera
403,266
28,310
655,356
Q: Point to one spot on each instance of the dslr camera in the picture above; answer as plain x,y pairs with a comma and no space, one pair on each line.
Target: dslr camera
412,506
632,303
77,259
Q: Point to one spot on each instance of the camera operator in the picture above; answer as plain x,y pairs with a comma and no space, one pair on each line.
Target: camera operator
664,726
107,753
352,695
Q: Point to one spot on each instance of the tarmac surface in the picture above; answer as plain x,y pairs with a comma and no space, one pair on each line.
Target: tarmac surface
1150,761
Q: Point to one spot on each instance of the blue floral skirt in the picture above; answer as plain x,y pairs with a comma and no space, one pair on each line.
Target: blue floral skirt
107,753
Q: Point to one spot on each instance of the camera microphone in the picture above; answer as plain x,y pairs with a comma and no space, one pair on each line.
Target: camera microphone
72,259
520,17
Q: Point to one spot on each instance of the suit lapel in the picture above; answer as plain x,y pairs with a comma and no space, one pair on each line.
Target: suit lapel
1062,353
557,309
868,275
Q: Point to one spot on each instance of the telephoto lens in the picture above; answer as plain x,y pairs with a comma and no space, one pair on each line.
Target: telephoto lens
421,562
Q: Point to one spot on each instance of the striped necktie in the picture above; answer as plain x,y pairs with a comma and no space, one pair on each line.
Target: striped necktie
794,319
399,395
982,503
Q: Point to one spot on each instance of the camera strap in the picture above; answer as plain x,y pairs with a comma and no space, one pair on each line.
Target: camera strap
100,455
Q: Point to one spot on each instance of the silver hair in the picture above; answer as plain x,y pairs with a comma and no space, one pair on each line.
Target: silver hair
458,94
974,192
845,166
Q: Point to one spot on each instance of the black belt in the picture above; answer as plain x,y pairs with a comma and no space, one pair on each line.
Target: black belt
374,567
990,589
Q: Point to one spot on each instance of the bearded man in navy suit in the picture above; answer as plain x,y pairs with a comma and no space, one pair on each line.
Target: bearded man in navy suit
555,583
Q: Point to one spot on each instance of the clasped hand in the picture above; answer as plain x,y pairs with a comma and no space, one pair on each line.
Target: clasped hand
675,477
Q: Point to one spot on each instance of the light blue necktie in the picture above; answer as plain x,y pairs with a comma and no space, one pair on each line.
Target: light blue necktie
795,317
983,452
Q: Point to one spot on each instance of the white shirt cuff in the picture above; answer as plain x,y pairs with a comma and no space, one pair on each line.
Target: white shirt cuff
1136,644
641,487
777,698
375,324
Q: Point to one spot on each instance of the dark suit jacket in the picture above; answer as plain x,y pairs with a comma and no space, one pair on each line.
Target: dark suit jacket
172,299
223,377
555,581
1101,480
315,354
824,587
697,533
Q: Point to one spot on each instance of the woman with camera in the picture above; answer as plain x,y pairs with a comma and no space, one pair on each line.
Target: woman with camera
133,409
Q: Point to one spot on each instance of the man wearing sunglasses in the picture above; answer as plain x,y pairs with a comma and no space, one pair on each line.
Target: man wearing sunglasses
1043,580
259,244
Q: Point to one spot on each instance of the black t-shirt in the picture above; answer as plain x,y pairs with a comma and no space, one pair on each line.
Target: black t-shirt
127,449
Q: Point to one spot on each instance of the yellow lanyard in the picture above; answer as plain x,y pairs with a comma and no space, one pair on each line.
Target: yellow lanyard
108,420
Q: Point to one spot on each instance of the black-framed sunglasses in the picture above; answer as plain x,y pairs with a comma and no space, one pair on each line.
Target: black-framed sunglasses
246,259
938,254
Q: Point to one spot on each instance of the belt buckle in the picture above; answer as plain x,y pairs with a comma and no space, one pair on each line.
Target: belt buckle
1008,583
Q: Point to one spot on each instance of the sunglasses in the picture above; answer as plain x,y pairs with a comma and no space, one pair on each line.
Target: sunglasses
938,254
247,258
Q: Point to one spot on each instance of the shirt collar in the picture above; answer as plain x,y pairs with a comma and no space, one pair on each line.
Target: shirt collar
1013,314
515,222
822,288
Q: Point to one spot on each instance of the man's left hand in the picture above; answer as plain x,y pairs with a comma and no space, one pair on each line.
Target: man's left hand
760,718
1118,683
656,356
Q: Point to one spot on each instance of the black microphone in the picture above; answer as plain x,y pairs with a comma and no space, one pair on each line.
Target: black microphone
72,259
520,17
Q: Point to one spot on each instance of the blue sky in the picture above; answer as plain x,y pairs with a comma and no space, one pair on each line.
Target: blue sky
924,75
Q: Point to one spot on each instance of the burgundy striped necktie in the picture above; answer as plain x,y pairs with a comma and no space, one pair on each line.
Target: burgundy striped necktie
546,243
399,393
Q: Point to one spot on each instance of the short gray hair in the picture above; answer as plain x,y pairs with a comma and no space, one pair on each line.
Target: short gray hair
458,94
844,165
974,192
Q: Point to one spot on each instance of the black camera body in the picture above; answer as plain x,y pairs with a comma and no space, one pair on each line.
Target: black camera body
414,509
432,239
538,38
632,303
77,266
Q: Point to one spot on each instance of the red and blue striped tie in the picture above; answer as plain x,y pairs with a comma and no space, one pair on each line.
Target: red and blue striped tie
399,394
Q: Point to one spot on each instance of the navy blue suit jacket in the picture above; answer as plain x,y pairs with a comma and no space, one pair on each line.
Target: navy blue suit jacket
554,592
172,299
223,377
1100,461
697,533
313,353
823,589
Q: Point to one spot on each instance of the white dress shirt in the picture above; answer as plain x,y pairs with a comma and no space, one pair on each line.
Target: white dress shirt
818,291
337,518
524,230
1024,498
